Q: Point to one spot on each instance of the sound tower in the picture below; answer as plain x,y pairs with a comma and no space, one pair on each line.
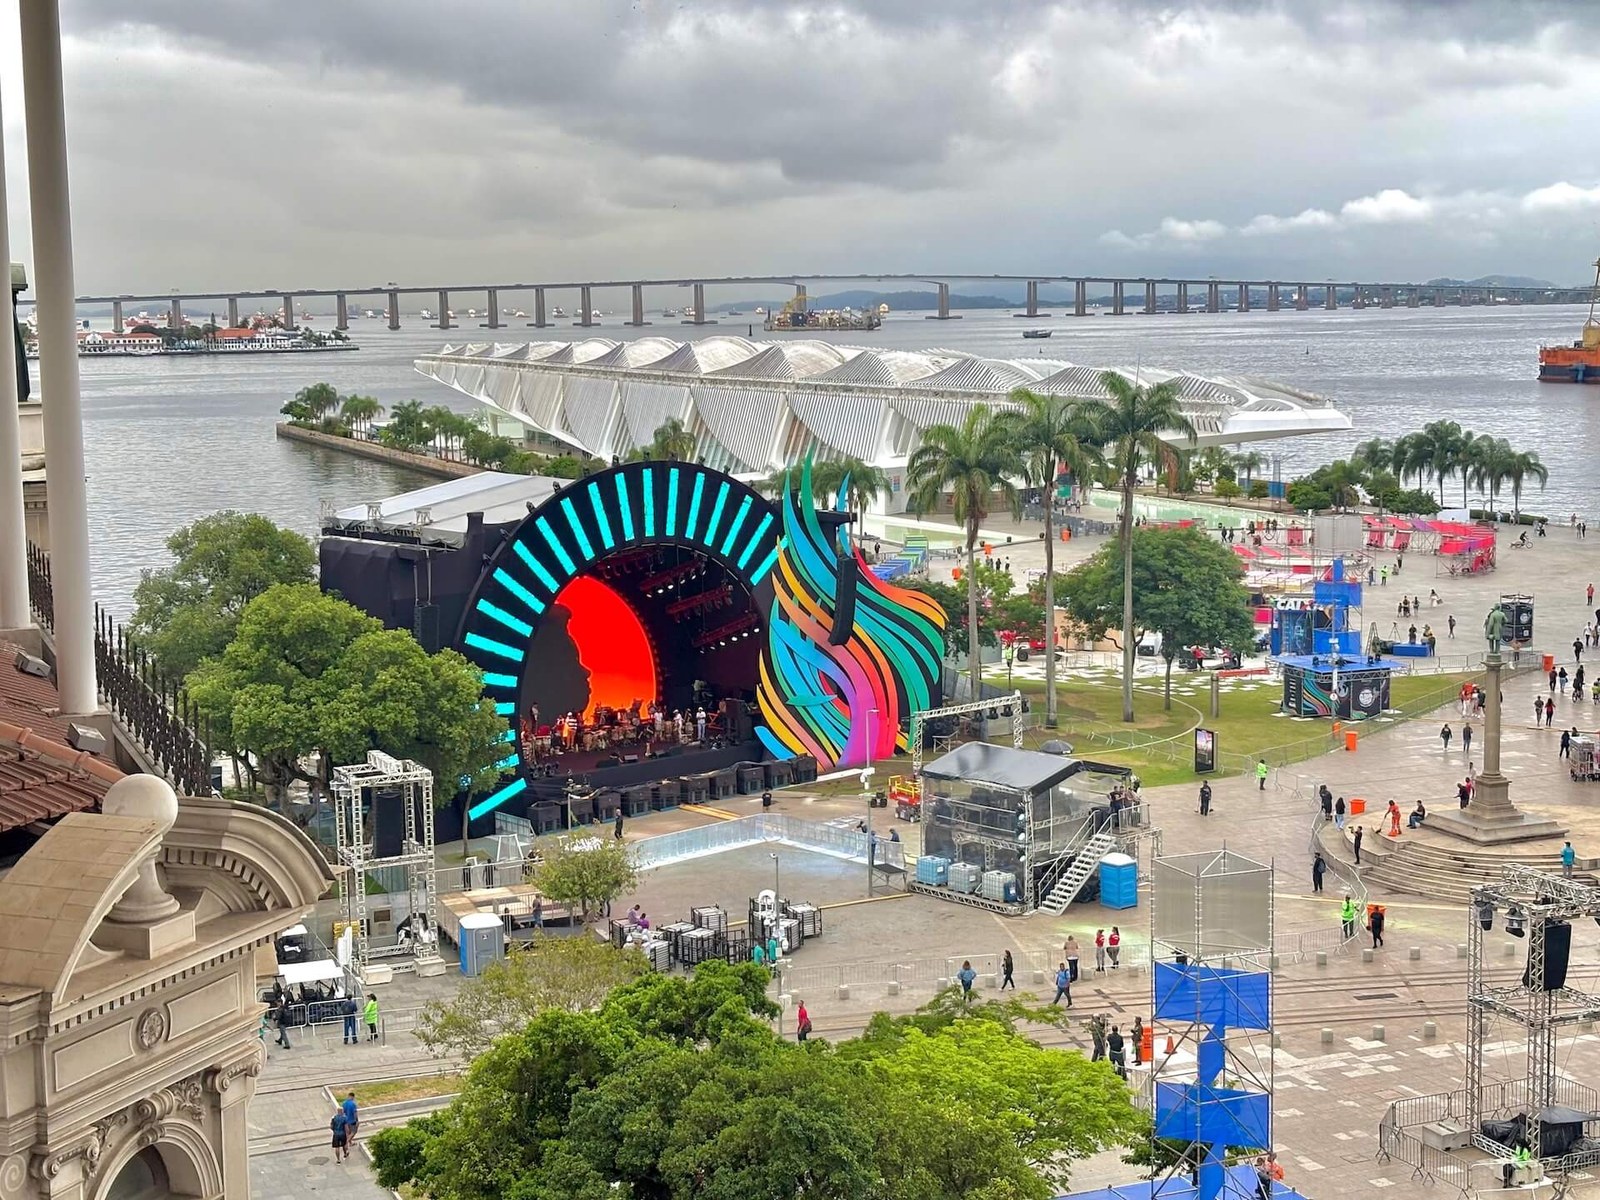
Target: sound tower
736,721
1519,617
844,612
388,823
1557,949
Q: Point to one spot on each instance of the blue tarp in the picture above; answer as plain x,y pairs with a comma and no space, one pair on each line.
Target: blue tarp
1240,1185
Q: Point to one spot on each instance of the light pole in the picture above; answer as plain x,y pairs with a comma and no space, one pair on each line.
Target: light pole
866,791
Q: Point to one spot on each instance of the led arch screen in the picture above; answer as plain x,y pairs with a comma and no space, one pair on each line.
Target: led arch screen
611,644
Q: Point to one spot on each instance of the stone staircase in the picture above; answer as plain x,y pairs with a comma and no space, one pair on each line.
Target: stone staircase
1446,872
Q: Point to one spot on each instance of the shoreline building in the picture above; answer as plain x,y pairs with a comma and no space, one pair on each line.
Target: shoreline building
755,407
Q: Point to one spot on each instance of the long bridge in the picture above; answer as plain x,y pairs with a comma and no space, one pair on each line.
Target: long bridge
1127,294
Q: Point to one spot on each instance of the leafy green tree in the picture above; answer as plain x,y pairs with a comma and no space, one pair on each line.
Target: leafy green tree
1523,466
586,872
318,400
358,412
1056,436
1412,502
973,461
1258,489
1131,424
189,611
1308,495
408,427
307,674
1187,587
570,973
954,604
1227,489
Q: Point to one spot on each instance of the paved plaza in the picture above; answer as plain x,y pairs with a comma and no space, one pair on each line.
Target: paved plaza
890,950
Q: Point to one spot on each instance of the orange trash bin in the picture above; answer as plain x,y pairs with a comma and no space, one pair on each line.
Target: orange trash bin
1357,804
1549,663
1149,1048
1350,739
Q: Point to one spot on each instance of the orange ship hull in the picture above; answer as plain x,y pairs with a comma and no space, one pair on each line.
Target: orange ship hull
1569,364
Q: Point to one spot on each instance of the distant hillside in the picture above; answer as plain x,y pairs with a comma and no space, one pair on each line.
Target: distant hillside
1510,281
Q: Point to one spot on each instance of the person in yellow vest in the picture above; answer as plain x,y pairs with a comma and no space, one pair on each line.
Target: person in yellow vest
1347,914
370,1015
1261,774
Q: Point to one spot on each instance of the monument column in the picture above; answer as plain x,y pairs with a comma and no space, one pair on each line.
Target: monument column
1491,792
51,207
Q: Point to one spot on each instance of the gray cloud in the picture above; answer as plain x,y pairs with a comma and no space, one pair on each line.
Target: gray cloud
217,145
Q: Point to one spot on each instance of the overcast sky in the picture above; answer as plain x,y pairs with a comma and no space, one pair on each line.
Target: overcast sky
222,144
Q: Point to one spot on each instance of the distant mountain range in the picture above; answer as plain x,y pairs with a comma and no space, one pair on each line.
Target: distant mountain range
1510,281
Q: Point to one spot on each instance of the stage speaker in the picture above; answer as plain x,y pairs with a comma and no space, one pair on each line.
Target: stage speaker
1557,949
630,758
844,611
388,819
736,721
425,626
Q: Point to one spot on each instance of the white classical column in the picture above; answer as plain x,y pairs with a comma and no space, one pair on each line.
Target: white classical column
58,355
13,528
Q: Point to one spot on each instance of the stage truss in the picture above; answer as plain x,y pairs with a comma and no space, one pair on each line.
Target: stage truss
1012,704
352,785
1539,900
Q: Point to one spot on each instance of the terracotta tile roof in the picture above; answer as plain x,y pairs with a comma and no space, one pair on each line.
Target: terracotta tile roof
41,777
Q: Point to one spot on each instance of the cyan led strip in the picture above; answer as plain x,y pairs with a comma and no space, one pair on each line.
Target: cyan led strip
577,530
694,507
755,540
624,507
490,646
649,485
556,547
672,502
505,764
505,580
505,682
716,515
509,735
536,567
766,565
600,517
495,613
733,530
505,708
495,799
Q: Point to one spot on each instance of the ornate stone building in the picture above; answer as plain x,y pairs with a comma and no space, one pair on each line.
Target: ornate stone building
128,1014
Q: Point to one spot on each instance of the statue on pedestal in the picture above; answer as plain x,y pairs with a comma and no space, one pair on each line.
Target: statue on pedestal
1494,628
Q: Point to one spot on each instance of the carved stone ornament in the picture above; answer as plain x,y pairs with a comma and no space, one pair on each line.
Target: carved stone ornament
14,1178
89,1146
152,1028
218,1079
185,1098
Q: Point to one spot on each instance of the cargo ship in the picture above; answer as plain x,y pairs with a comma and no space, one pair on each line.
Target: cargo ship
1579,362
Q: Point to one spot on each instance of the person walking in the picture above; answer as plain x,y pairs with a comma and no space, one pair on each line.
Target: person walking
352,1033
1450,623
1577,650
1375,924
284,1019
1338,814
1569,857
1205,798
1071,951
616,826
1261,774
966,977
1063,986
352,1119
1552,681
1577,686
1118,1051
1588,596
1114,946
1358,845
1097,1036
1347,916
1561,681
370,1016
1137,1037
1326,797
1549,712
1466,739
802,1023
1538,710
1319,866
1007,968
1444,737
1099,949
341,1135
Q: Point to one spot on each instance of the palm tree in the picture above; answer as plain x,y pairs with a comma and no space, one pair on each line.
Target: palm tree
1131,424
359,412
671,441
972,461
1524,465
1489,459
1248,461
1373,455
1054,436
785,479
1434,452
862,483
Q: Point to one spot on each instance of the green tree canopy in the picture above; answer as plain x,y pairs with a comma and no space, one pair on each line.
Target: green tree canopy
675,1089
1186,587
585,872
189,611
307,673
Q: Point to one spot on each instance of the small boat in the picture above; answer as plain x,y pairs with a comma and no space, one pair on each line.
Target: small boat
734,312
760,312
1578,362
558,311
1037,333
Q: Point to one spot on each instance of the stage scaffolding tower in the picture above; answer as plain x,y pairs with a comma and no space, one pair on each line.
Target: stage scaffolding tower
1012,705
1536,903
356,787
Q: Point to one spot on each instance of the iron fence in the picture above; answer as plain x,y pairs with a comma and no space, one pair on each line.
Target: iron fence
151,706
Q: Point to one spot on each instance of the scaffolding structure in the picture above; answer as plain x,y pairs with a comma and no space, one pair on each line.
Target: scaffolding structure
1012,704
1211,938
1537,904
355,788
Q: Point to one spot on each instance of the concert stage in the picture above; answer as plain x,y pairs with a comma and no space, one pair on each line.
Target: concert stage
649,583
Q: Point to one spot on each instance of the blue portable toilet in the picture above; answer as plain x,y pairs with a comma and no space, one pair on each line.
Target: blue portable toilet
1119,881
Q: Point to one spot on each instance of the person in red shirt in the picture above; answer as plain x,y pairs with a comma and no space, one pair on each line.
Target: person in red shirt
1394,819
1099,949
1114,946
802,1028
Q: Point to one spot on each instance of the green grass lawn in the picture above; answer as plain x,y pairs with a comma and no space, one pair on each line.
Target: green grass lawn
392,1091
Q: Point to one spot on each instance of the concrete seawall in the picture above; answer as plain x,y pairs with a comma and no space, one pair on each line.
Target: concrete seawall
424,463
